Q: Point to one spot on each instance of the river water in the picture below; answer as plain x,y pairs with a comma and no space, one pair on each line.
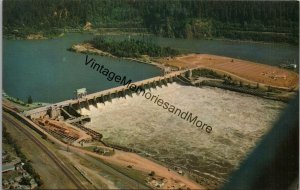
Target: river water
48,72
238,122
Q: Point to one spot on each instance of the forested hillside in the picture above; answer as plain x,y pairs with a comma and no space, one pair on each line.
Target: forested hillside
252,20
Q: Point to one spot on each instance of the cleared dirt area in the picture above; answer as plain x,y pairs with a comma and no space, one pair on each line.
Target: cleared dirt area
172,180
255,72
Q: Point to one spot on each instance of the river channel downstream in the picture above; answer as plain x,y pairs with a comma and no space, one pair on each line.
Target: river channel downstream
46,71
238,122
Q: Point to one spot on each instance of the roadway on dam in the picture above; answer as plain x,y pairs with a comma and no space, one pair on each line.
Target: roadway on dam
104,92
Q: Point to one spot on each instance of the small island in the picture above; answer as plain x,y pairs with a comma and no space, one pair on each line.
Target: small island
138,49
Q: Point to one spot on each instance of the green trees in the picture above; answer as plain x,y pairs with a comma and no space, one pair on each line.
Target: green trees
277,20
132,47
29,100
25,181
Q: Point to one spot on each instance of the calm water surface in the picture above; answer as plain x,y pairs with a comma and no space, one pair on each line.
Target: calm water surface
48,72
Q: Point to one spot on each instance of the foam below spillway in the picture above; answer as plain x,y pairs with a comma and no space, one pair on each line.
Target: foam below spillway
238,121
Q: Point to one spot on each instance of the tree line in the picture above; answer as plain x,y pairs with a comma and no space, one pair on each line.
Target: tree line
278,21
132,47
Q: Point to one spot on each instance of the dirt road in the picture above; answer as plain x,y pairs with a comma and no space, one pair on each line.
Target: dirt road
145,165
124,159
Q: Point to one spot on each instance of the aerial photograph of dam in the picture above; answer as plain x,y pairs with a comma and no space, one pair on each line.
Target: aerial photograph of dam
150,94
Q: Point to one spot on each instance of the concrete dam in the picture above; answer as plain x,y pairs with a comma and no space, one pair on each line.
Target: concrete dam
118,121
70,110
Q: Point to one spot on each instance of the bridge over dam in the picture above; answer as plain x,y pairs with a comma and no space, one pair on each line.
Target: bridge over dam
70,110
65,120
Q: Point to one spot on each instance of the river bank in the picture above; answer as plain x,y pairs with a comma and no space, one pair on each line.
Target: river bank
23,34
240,71
17,35
40,85
87,48
20,105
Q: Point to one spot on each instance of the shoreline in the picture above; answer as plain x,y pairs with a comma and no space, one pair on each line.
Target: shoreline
161,66
33,36
87,48
97,31
252,41
237,76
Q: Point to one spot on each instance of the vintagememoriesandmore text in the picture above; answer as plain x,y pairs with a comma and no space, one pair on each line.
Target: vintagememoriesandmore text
111,76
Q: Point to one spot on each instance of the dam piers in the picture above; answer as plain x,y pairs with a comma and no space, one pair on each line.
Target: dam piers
71,109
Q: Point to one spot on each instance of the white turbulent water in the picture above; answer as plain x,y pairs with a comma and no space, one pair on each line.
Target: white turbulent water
238,121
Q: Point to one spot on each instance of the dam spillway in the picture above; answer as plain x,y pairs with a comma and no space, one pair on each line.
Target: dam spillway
140,125
54,110
122,118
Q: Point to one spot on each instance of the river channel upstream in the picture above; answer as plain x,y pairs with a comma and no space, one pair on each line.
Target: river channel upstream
45,70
